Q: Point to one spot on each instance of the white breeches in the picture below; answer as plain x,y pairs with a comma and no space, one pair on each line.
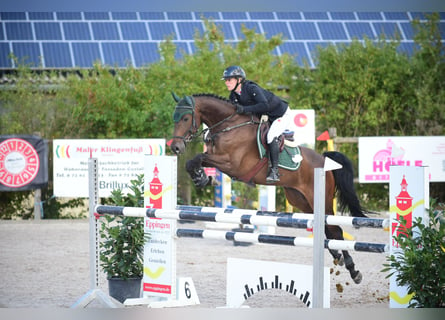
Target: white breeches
279,126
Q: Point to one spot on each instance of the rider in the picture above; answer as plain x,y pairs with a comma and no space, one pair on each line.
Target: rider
249,97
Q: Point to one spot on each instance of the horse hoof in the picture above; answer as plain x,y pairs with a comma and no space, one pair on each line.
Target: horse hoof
339,261
358,277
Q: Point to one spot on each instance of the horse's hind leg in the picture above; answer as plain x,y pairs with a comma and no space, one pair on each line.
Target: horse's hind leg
335,232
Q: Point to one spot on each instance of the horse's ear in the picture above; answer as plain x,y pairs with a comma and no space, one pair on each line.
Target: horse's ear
175,97
189,100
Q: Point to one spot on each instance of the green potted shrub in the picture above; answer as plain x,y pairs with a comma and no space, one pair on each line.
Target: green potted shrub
421,263
122,245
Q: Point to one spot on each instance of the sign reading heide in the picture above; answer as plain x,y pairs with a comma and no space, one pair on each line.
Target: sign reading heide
377,154
119,161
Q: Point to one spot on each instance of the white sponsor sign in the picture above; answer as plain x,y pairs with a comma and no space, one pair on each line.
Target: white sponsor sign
377,154
303,125
119,161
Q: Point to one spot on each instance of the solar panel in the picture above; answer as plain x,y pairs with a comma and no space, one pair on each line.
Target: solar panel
207,15
18,31
69,15
116,54
136,36
389,30
248,24
226,29
105,31
332,31
315,15
343,16
369,16
187,30
134,31
96,16
288,15
41,16
304,31
56,55
234,15
407,48
124,16
181,50
85,54
359,30
76,31
5,61
179,15
13,16
274,28
408,30
162,30
47,31
298,50
396,15
28,53
261,15
145,53
152,15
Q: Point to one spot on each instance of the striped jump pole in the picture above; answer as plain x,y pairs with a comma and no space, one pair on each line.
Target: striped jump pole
281,240
243,216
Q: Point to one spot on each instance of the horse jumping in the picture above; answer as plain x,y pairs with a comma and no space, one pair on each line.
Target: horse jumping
231,144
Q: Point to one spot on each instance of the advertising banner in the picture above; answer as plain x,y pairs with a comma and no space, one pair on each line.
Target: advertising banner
160,193
409,198
119,161
377,154
23,162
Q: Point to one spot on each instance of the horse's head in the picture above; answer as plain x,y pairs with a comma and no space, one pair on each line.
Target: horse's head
185,123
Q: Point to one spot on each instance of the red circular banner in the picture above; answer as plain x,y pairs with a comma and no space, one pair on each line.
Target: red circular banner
19,162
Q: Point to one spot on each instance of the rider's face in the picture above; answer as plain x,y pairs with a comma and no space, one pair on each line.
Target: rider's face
231,83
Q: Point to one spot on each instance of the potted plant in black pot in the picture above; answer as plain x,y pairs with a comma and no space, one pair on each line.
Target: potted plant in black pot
122,245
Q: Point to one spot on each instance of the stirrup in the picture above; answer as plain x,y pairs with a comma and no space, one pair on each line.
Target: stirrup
273,175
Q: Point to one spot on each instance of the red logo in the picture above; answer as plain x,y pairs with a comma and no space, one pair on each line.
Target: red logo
300,120
19,162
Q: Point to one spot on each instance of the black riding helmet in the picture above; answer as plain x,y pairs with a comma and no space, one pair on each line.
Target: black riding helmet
234,72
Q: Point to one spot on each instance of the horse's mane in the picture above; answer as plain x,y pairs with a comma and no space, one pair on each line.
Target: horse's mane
211,95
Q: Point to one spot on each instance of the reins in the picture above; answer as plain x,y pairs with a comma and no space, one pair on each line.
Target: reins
193,132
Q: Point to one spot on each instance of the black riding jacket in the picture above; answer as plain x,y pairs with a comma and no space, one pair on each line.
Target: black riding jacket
259,101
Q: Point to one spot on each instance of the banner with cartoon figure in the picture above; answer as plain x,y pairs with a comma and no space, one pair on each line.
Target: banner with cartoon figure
160,193
409,198
377,154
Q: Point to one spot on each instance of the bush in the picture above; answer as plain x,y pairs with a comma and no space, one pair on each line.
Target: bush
421,263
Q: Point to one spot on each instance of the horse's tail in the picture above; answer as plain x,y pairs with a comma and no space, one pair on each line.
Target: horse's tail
344,183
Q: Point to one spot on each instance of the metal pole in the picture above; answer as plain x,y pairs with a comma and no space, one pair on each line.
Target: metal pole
94,239
318,227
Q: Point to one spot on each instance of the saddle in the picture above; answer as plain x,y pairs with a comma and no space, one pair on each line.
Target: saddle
290,154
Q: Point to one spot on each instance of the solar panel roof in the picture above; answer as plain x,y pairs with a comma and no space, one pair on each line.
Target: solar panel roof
79,39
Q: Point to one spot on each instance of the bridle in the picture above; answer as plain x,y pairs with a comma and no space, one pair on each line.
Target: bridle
193,132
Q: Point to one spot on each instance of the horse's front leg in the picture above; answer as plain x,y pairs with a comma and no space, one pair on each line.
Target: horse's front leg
196,171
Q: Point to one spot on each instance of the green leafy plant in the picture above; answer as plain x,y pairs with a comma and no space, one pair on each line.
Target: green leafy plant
123,238
420,265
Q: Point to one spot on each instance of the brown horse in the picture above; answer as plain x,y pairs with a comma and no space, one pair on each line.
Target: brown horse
232,148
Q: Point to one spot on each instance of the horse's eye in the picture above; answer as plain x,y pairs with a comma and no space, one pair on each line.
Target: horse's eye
185,119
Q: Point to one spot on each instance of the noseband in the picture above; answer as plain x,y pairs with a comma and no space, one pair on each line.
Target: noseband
180,111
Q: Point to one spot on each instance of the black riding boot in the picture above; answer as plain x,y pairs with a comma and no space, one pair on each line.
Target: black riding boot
274,150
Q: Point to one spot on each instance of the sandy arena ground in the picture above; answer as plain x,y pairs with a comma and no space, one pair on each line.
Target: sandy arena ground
45,264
